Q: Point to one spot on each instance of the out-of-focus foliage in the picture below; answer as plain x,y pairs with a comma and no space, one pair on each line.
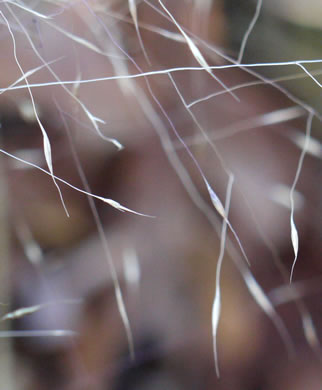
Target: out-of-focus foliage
85,292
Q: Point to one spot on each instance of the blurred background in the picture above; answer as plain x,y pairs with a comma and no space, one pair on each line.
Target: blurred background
117,99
